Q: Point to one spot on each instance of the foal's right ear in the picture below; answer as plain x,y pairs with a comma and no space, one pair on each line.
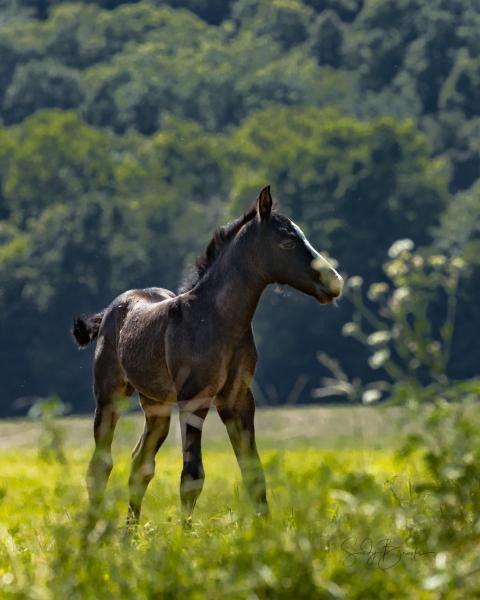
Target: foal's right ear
264,203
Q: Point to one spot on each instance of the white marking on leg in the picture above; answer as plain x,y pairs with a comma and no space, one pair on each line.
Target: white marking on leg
188,485
194,421
187,416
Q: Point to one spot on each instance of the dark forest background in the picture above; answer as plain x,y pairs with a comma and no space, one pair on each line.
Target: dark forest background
129,131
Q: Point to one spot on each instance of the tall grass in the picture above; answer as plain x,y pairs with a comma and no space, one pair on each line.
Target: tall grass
345,523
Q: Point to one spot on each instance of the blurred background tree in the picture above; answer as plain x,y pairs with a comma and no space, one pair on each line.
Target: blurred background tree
129,130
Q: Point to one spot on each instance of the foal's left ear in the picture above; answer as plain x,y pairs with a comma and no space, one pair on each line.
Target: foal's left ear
264,203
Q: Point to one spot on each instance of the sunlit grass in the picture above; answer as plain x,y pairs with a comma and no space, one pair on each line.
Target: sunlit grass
332,512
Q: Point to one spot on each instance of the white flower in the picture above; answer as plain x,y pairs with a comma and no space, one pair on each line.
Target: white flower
412,346
355,282
437,260
379,358
376,290
458,262
434,582
325,257
400,246
401,294
379,337
441,560
349,329
396,267
418,261
370,396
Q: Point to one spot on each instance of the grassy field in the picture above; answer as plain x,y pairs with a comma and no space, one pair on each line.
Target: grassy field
345,522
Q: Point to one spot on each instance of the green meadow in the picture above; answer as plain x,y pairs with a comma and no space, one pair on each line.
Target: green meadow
349,517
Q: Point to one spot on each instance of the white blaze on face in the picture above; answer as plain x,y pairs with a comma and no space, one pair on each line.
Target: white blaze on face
331,280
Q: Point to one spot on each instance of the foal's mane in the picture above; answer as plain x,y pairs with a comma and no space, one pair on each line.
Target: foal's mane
220,239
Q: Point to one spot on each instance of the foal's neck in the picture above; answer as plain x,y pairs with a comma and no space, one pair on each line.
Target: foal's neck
233,288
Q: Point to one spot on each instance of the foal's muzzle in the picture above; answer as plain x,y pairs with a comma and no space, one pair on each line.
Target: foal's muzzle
329,286
332,282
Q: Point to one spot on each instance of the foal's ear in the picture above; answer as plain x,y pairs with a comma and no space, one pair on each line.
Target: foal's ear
264,203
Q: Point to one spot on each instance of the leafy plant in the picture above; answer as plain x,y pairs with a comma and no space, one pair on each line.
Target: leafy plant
407,324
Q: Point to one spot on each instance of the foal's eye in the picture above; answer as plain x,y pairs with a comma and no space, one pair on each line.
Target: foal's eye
288,244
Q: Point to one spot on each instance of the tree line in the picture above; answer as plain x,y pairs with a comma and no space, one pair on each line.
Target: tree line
129,131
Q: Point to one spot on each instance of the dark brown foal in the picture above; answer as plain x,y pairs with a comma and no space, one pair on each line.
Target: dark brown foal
196,349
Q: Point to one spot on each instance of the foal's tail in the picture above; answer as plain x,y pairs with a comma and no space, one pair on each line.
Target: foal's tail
85,328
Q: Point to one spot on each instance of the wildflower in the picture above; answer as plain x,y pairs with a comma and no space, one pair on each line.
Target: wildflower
458,262
349,329
437,260
395,267
376,290
400,294
435,582
319,263
379,358
370,396
379,337
355,282
414,363
441,560
418,261
399,247
395,332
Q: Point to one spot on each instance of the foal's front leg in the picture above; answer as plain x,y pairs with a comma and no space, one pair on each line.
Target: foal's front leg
193,474
237,413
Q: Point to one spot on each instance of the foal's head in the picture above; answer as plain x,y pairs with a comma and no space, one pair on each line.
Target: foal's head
285,256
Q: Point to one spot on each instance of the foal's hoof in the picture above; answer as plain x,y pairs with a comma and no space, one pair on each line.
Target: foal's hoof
263,512
187,523
130,530
130,534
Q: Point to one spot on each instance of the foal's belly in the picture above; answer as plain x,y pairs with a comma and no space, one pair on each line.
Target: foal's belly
190,378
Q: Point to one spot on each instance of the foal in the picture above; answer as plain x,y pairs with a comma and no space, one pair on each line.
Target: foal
195,349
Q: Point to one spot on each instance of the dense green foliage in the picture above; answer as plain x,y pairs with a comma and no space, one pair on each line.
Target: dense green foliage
131,130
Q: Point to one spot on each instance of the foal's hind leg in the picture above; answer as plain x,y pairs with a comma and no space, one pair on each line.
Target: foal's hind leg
157,423
106,418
